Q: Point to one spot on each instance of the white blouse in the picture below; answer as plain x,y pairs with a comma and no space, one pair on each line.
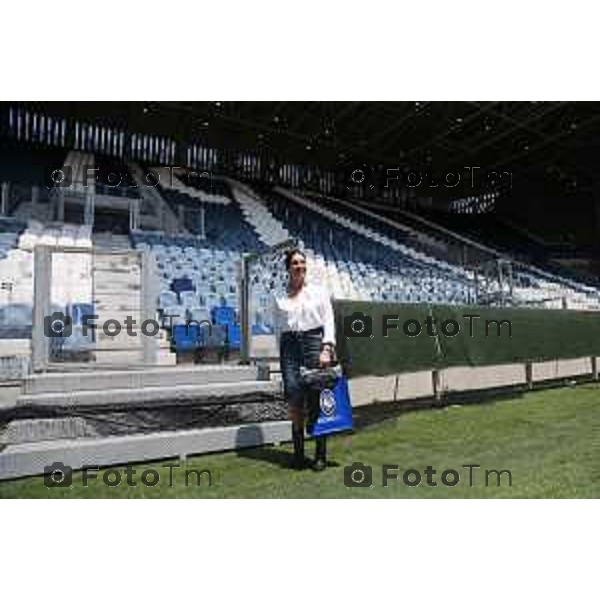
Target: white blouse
310,308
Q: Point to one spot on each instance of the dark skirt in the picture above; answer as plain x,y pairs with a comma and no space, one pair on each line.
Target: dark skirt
296,349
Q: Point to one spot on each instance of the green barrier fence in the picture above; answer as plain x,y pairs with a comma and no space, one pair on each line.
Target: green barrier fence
489,336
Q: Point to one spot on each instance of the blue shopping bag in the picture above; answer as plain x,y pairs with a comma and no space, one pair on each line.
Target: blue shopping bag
335,409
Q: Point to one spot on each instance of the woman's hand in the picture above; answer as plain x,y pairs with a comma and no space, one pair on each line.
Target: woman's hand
325,357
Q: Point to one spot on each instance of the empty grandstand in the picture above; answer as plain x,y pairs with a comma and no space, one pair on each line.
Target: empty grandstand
102,223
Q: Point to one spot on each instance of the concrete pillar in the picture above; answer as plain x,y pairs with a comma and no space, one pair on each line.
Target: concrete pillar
149,291
436,382
60,206
42,278
4,198
137,212
202,223
500,264
244,302
529,374
35,195
134,215
89,208
596,211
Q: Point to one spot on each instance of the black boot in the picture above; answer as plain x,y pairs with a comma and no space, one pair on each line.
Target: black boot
320,454
299,460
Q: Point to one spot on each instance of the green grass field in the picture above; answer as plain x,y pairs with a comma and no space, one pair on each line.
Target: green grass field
548,440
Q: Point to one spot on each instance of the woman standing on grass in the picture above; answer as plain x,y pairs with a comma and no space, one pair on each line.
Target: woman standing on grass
304,320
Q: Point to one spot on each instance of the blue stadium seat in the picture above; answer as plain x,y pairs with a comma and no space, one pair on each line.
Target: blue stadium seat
185,338
234,336
182,284
223,315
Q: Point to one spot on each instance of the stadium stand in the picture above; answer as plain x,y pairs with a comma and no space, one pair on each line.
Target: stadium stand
360,255
15,283
199,227
215,217
193,234
379,267
269,230
528,284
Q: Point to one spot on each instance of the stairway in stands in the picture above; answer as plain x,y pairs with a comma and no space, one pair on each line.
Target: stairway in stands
116,278
43,212
269,230
155,213
117,291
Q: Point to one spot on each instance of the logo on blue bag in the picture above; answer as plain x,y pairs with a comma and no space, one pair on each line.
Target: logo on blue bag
327,403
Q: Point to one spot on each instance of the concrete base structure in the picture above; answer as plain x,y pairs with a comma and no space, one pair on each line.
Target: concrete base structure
409,386
390,388
31,459
146,387
481,378
557,369
199,386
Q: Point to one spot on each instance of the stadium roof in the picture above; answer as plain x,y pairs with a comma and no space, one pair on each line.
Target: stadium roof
557,139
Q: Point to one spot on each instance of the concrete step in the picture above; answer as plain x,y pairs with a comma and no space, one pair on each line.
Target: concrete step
123,284
24,431
117,312
108,242
235,392
119,357
119,342
166,357
30,459
112,272
122,263
112,277
62,383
